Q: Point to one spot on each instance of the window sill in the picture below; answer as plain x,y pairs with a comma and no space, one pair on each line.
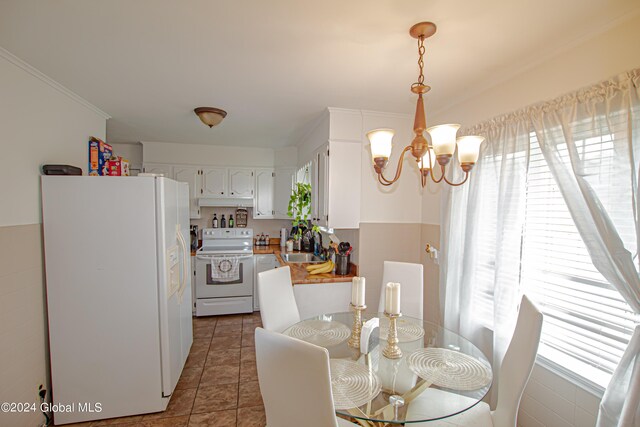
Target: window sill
577,380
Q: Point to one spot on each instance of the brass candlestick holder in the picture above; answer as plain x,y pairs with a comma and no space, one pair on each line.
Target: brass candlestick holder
356,330
392,351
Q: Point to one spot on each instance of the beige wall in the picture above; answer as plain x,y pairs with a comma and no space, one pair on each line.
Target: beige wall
213,155
23,352
58,135
132,152
380,242
286,156
430,234
601,55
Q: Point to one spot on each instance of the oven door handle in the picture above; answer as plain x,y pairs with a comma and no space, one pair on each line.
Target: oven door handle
208,257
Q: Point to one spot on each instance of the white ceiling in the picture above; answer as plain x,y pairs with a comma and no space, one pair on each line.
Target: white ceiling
274,65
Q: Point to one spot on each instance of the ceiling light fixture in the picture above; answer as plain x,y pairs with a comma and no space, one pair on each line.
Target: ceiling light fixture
443,137
210,116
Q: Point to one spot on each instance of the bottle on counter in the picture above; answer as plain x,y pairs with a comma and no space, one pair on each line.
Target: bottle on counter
223,222
230,221
214,223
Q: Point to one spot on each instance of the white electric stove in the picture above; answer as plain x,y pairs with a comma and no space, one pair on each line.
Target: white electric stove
213,295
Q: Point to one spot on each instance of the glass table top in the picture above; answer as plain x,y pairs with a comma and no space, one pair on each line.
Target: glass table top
439,374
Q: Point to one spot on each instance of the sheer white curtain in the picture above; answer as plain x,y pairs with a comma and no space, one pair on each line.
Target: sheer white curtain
591,142
481,238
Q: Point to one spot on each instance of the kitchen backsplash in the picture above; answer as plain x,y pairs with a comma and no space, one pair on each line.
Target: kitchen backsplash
266,226
270,226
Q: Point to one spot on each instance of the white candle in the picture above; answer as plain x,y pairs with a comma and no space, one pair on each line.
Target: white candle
392,298
357,291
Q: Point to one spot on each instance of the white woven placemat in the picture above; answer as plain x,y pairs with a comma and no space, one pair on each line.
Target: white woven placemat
324,333
407,330
352,384
450,369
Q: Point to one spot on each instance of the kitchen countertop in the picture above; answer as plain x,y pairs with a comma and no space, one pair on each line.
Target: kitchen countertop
299,275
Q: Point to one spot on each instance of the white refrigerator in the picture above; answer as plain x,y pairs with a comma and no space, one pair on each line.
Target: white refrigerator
118,287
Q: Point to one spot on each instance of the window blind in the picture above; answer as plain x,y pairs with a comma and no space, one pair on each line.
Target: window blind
304,174
587,323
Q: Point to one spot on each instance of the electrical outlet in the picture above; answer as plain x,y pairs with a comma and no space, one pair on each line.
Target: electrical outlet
42,394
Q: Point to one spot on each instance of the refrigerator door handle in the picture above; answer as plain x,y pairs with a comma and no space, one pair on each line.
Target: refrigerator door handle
183,276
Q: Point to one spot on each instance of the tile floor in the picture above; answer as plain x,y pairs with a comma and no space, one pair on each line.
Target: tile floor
219,383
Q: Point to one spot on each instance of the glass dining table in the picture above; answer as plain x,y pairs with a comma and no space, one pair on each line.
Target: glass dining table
438,375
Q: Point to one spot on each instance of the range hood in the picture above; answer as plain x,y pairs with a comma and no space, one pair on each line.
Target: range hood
228,202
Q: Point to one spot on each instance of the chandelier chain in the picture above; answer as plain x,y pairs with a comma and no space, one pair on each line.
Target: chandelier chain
421,50
443,137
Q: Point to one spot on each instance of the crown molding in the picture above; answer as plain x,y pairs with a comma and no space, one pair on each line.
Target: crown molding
46,79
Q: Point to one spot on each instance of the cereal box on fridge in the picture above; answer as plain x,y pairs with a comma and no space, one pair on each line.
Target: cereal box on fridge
99,153
117,166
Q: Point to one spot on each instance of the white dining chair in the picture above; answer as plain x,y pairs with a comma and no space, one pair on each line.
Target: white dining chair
278,308
295,382
514,374
411,279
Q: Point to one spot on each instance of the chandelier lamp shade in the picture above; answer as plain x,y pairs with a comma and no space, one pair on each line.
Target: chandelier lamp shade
443,137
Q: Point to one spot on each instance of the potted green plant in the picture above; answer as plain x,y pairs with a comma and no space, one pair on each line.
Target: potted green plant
299,210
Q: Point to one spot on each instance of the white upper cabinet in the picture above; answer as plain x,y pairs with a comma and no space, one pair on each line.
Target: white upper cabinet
214,182
265,183
269,189
334,149
241,182
192,176
283,186
158,168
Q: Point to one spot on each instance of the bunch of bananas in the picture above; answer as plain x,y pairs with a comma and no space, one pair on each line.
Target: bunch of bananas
325,267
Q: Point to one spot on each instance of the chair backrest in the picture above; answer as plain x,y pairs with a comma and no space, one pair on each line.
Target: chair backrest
411,279
517,364
278,307
294,381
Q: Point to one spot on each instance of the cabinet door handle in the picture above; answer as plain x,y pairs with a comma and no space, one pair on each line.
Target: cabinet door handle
201,191
222,192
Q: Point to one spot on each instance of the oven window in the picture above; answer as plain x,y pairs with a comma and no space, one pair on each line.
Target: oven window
211,281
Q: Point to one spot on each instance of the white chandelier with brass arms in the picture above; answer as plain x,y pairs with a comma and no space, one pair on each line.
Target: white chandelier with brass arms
443,137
